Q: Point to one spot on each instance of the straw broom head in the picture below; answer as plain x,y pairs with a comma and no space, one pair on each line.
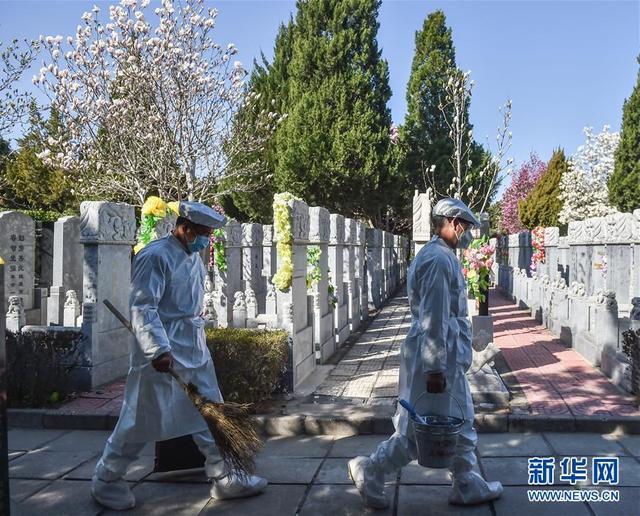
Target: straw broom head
232,428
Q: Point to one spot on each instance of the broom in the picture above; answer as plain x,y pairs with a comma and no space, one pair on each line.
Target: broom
230,424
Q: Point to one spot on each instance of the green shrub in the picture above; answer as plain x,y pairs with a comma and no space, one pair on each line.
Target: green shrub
250,364
39,364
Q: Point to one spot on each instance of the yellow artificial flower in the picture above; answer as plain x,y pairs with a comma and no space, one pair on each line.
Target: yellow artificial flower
137,247
154,206
1,261
174,206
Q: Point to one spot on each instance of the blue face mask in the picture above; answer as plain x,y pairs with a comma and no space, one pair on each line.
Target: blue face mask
465,239
199,243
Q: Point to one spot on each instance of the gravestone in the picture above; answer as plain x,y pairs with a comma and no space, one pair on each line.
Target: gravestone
374,268
292,304
421,220
44,254
252,263
336,277
229,282
323,337
67,266
4,445
361,270
17,247
349,264
107,232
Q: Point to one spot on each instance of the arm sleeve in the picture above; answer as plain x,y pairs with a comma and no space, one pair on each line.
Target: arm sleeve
147,288
435,312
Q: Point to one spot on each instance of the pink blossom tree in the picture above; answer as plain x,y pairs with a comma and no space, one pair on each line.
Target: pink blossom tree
522,183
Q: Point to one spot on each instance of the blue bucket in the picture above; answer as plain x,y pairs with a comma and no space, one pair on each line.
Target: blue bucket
436,435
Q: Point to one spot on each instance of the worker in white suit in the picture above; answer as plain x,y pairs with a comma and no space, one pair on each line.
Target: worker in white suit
167,290
435,356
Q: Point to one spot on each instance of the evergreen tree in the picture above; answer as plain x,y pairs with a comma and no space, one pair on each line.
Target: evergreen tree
425,132
34,185
333,148
270,81
624,183
5,151
542,205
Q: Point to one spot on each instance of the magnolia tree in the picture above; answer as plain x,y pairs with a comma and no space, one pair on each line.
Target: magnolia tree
147,101
15,58
474,184
522,183
583,187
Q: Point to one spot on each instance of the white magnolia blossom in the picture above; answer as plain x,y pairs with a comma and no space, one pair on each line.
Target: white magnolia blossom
15,59
583,187
149,103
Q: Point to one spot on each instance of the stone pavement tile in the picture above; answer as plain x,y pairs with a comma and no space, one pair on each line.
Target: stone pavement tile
80,440
48,465
628,474
631,443
16,454
275,501
138,470
357,445
333,471
20,489
316,446
413,473
338,500
629,503
167,499
511,471
63,497
287,471
583,444
514,501
433,500
83,405
513,445
30,439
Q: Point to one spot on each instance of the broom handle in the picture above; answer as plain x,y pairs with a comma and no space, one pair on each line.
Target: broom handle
128,326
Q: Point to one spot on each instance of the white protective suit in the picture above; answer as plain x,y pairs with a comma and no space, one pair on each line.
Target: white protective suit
439,340
167,289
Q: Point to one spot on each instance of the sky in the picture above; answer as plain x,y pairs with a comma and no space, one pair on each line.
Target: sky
564,64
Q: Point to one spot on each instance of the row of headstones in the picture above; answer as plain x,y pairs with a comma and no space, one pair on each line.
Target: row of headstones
92,262
587,291
602,253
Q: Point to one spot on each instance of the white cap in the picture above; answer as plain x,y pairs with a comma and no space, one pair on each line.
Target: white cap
455,208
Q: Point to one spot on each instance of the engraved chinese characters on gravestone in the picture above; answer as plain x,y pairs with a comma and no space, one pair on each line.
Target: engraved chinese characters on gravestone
17,247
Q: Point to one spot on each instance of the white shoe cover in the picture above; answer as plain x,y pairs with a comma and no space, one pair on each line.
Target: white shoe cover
470,488
369,482
237,486
114,495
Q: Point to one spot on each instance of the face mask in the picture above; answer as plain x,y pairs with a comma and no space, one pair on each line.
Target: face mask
198,244
465,239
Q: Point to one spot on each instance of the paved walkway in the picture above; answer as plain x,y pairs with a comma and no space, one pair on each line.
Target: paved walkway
50,472
368,373
555,379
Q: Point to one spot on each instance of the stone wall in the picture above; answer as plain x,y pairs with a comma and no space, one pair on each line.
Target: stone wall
585,289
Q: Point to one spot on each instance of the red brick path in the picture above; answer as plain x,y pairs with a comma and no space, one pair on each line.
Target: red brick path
556,379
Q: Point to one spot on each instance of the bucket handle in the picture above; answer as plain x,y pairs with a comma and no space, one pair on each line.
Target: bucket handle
412,411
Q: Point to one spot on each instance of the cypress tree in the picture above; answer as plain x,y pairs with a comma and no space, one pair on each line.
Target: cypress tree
333,148
425,132
542,205
624,183
271,82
